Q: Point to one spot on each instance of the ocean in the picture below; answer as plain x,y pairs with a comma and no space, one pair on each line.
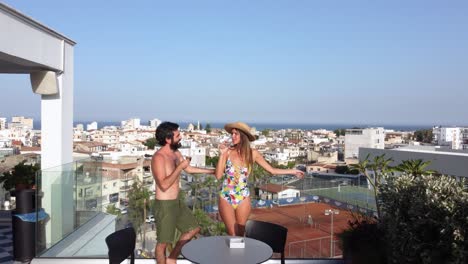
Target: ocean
263,126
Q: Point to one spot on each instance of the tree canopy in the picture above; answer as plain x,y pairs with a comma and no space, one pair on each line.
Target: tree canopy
424,135
339,132
208,128
150,143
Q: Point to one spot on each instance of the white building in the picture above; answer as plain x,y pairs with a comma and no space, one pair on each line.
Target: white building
5,143
154,123
24,121
132,123
451,137
279,157
3,123
293,152
275,191
262,140
317,140
198,155
190,127
464,138
92,126
363,138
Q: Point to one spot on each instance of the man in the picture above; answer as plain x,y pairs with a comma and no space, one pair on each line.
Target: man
167,164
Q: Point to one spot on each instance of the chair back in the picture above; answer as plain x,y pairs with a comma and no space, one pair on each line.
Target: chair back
272,234
121,245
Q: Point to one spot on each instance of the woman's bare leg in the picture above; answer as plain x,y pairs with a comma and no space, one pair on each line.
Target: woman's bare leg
242,215
228,215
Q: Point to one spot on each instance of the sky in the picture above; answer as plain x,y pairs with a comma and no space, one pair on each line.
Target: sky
325,62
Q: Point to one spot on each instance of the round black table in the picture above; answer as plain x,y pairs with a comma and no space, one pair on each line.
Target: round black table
215,249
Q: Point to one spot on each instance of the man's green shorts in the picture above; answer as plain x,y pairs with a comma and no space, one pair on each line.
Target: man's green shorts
172,214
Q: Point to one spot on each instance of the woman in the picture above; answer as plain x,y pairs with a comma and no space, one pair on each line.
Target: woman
234,167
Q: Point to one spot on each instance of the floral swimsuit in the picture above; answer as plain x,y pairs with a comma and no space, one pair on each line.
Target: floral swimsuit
234,189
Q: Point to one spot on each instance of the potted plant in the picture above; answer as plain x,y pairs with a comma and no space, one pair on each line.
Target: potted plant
22,177
364,241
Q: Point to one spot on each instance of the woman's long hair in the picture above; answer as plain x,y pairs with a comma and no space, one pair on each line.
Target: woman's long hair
244,150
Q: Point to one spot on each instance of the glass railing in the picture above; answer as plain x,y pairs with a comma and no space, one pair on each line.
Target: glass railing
91,196
70,195
298,204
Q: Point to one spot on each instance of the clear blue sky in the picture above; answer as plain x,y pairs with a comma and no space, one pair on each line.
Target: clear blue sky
379,62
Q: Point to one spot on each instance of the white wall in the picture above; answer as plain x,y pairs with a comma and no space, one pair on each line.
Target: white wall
369,138
35,45
447,163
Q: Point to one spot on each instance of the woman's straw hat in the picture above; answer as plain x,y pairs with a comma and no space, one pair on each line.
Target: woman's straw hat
242,127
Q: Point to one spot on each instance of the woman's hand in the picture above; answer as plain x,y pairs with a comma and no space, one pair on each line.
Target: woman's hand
299,174
223,148
184,163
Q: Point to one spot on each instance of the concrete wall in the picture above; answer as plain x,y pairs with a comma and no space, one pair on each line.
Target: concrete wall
369,138
446,163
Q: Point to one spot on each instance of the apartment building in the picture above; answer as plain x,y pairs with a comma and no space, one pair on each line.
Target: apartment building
450,137
276,156
132,123
198,155
92,126
108,183
363,138
154,123
3,123
464,144
89,147
321,167
22,121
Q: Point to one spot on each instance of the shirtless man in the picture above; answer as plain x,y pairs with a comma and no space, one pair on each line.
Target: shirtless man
172,212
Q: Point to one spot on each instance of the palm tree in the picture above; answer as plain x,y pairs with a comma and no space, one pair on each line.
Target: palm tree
259,175
137,197
210,182
379,167
415,167
195,187
203,220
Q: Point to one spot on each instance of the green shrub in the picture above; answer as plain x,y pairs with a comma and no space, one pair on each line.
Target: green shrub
364,241
425,219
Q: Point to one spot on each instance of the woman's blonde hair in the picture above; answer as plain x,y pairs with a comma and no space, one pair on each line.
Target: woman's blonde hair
245,150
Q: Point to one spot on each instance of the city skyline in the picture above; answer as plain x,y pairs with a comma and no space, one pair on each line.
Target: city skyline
275,62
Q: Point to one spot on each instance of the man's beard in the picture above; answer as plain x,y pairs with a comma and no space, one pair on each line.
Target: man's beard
175,146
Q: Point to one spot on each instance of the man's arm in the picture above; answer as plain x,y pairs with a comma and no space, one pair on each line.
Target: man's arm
191,169
158,167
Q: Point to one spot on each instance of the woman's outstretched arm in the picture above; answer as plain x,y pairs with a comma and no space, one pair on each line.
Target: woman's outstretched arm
258,158
223,154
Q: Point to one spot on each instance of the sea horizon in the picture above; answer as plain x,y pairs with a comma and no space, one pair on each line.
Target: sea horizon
273,125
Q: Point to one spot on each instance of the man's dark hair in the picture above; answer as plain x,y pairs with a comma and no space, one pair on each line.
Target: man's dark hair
164,131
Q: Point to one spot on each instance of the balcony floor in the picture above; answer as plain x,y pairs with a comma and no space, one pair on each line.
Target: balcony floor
6,238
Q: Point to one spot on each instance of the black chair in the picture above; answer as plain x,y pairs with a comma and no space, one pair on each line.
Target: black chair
272,234
121,245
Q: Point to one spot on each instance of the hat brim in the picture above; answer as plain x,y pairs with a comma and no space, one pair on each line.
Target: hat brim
231,126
